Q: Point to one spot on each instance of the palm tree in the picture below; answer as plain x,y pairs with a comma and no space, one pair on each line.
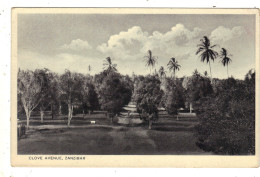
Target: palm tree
225,58
173,65
162,72
108,65
207,52
150,60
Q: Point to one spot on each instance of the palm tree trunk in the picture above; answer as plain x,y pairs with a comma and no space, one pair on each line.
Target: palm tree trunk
227,71
210,70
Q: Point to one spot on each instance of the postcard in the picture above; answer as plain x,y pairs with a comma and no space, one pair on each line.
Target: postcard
135,87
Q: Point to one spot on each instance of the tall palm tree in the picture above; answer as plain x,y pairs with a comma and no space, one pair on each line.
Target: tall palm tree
108,65
150,60
206,51
162,72
173,65
225,60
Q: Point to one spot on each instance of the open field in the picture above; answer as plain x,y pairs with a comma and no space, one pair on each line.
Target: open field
168,136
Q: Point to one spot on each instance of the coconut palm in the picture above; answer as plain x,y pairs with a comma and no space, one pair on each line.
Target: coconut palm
225,60
108,65
150,60
206,51
173,66
162,72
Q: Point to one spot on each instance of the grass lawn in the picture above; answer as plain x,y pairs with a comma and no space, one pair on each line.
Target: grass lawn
167,137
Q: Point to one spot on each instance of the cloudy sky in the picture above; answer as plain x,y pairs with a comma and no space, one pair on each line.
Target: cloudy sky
74,42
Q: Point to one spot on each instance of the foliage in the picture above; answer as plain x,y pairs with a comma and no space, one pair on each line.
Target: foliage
71,85
113,92
225,59
29,91
150,60
206,51
197,87
173,98
173,65
162,72
148,96
227,119
108,65
92,98
49,94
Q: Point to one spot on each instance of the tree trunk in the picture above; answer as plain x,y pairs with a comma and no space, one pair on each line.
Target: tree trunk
41,113
150,124
227,71
69,113
28,114
190,108
210,70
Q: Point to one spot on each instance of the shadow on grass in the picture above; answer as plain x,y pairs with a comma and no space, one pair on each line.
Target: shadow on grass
173,129
50,131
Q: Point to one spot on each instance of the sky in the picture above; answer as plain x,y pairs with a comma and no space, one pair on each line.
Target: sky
75,41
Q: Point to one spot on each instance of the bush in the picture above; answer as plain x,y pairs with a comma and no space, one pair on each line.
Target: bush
227,119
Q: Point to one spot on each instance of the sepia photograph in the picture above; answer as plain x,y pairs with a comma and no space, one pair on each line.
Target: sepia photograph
139,82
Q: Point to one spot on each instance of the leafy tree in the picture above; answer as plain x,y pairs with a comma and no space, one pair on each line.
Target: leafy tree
174,96
108,65
90,96
29,91
227,118
150,60
49,90
196,87
173,65
71,90
54,93
206,51
225,60
113,92
148,96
